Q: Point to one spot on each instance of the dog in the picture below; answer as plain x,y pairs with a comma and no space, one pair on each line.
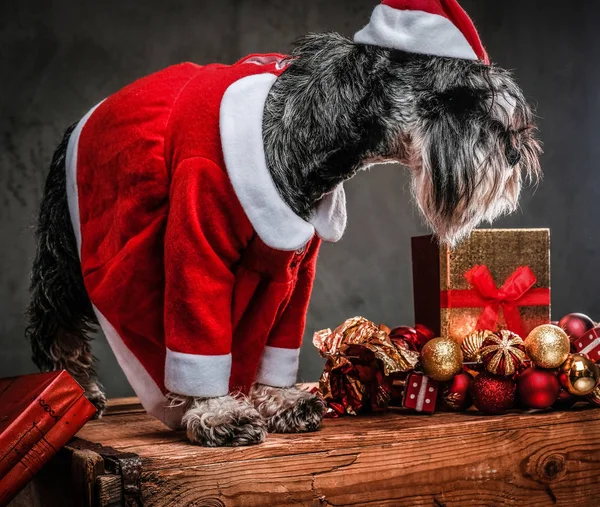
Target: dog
329,109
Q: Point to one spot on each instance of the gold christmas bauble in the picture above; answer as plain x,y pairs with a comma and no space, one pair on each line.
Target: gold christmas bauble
547,346
579,375
441,359
471,345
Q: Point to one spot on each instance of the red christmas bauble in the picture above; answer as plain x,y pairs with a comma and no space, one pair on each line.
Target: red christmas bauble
537,388
493,394
575,324
565,400
415,337
455,395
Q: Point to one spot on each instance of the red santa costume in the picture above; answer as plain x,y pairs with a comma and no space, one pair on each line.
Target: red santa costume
199,273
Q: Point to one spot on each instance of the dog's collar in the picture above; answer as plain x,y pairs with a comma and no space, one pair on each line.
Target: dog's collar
241,117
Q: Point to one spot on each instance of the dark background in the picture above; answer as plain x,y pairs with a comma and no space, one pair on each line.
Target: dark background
59,58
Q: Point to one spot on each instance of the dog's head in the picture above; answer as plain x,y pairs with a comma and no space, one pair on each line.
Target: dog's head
463,127
470,141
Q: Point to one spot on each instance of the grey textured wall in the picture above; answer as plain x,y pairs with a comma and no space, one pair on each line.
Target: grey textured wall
59,58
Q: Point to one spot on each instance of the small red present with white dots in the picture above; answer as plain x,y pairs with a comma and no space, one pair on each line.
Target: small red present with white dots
589,343
420,393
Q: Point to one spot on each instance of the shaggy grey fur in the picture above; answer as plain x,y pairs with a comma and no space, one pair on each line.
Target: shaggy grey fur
288,409
224,421
236,420
463,129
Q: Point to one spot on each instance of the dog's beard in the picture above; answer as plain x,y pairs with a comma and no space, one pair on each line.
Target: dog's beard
495,195
468,165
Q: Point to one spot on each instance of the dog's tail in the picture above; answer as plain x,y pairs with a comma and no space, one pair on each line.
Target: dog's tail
60,315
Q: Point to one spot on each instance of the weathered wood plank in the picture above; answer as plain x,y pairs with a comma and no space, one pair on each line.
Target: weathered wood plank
513,467
162,448
109,490
542,458
129,405
86,466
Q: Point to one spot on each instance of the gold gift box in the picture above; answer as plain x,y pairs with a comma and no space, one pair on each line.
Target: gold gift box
442,292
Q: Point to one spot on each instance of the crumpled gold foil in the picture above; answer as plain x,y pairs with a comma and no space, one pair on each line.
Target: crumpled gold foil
360,359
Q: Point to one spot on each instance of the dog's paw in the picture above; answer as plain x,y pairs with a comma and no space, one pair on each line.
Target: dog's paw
288,409
223,421
94,394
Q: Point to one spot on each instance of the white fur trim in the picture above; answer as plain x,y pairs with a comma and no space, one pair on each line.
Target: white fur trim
71,168
263,59
241,118
267,60
197,375
329,217
415,32
150,395
278,367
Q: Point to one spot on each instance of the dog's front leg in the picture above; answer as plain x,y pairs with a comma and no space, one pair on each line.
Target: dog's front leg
222,421
288,409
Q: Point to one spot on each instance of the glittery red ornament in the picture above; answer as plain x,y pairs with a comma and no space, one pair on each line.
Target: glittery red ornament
455,394
575,324
502,352
493,394
537,388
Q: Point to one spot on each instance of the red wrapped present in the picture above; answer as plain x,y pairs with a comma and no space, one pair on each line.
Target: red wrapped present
589,343
420,393
38,415
496,279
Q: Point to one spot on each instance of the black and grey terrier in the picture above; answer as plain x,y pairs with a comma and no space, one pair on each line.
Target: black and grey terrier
462,127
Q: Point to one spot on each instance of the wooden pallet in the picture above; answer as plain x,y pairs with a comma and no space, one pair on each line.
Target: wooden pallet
391,459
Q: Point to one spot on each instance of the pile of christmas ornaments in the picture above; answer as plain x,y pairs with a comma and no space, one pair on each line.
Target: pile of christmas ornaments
554,366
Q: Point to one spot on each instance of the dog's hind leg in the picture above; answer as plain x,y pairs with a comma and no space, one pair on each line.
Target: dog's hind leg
60,314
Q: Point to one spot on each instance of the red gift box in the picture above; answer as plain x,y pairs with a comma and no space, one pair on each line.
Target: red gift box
589,343
420,393
38,415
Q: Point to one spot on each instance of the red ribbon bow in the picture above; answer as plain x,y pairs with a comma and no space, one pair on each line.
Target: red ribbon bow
517,291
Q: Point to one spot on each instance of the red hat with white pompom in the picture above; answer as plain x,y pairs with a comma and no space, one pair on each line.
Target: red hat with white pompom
430,27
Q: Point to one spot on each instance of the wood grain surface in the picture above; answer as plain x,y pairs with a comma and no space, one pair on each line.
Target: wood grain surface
543,458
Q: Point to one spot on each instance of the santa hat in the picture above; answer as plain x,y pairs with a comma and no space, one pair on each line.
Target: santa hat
430,27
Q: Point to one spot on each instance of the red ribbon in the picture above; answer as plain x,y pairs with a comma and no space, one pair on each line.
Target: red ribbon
517,291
